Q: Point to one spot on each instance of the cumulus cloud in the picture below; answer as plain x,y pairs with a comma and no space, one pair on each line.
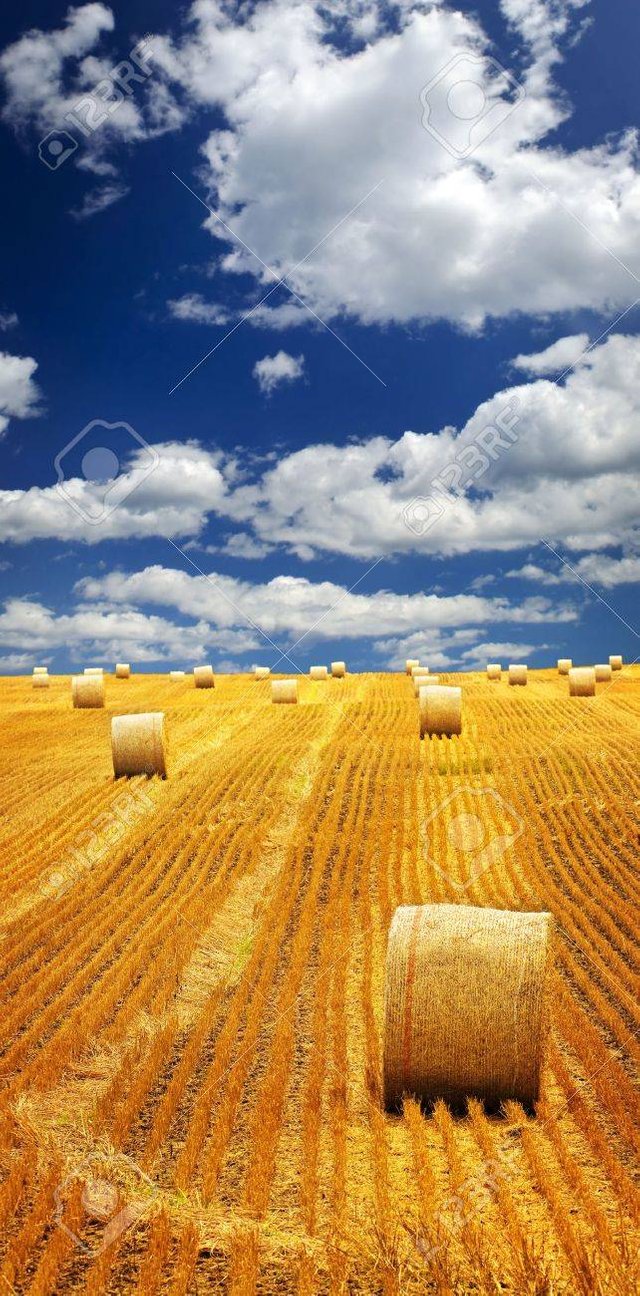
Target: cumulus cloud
19,394
599,569
272,371
555,359
193,309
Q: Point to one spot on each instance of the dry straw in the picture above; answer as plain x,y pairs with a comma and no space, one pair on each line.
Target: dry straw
466,1001
440,711
123,670
564,665
93,670
204,677
176,675
603,672
138,744
517,674
338,670
615,663
41,670
41,680
87,690
494,671
318,673
410,663
582,681
284,690
261,672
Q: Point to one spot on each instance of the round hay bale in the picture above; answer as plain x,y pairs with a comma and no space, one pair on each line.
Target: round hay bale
582,681
338,670
284,690
615,663
440,711
603,672
123,670
93,670
494,671
410,663
138,744
261,672
41,670
517,674
318,673
40,681
564,665
424,681
176,675
204,677
419,670
87,690
466,998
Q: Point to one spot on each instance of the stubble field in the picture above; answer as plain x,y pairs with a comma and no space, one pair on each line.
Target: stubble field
193,977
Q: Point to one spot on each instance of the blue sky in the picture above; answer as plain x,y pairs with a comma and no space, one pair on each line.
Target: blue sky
285,504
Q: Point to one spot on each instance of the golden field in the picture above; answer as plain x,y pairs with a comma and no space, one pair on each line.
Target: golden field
193,976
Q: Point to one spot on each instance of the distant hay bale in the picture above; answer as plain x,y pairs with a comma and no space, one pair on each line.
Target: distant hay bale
410,663
517,674
466,1003
440,711
338,670
138,744
417,669
603,672
176,675
87,690
284,690
204,677
93,670
615,663
424,681
41,670
123,670
564,665
41,680
318,673
494,671
582,681
261,672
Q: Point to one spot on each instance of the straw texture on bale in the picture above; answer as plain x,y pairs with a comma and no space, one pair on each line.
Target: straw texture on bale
424,681
417,669
40,681
93,670
204,677
284,690
582,681
466,1003
87,690
261,672
564,665
338,670
318,672
440,711
615,663
176,675
41,670
138,744
494,670
517,674
410,663
603,672
123,670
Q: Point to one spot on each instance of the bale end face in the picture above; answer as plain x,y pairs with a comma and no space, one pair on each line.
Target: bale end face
93,670
338,670
417,669
138,744
466,1004
284,691
615,662
261,672
40,681
582,681
123,670
41,670
603,672
517,674
421,679
494,671
318,672
410,663
564,665
440,711
176,675
87,690
204,677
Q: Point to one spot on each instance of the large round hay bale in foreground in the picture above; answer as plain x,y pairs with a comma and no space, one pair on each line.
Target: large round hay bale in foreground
564,665
603,672
582,681
87,690
410,663
261,672
204,677
338,670
40,681
517,674
465,1003
138,744
494,671
176,675
440,711
615,662
318,673
284,690
123,670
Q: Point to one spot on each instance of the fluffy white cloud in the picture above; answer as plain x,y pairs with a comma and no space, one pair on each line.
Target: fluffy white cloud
272,371
98,200
561,355
19,394
193,309
598,569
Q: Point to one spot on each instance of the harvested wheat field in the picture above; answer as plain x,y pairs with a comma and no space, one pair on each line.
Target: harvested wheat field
193,990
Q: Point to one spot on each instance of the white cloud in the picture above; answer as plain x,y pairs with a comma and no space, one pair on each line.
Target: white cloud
19,394
561,355
598,569
272,371
193,308
8,320
98,200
